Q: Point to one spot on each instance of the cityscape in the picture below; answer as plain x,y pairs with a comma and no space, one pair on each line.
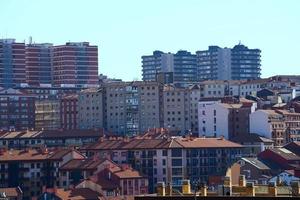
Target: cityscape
199,123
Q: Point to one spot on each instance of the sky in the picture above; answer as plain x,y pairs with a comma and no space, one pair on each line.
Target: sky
124,30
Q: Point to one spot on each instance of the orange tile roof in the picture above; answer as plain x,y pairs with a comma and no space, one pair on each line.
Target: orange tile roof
11,192
78,194
206,143
161,143
128,173
82,164
32,155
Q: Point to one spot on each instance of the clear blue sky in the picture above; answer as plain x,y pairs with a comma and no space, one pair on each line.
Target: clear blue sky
125,30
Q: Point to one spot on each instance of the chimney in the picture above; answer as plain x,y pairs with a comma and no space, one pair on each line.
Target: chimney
203,190
186,187
242,180
295,188
272,189
169,189
250,189
161,190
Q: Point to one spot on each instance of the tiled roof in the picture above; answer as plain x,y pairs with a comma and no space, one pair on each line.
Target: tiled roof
162,143
82,164
11,192
32,155
128,173
252,137
285,153
51,134
257,163
78,194
207,143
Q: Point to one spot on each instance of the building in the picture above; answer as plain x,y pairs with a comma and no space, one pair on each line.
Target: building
170,159
49,138
133,107
281,157
69,112
253,144
47,114
255,170
269,124
238,63
282,126
90,109
33,169
120,180
38,62
17,110
230,120
181,65
12,63
75,64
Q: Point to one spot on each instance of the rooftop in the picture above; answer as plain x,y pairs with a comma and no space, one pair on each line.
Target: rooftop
32,154
51,134
162,143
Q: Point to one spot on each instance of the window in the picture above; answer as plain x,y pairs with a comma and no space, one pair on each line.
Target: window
176,153
215,112
176,162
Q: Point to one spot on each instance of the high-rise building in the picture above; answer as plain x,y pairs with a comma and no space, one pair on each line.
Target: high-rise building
181,65
75,64
238,63
38,64
12,63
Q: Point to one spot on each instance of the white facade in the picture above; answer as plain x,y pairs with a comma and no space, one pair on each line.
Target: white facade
259,123
212,119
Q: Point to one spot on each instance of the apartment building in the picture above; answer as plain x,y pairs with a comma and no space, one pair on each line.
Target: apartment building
292,124
230,120
31,169
170,159
75,64
181,66
132,107
69,112
47,114
269,124
237,63
38,62
12,63
17,110
90,109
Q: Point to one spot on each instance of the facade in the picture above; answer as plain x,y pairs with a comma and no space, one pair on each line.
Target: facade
75,64
170,159
47,114
132,107
280,125
69,112
230,120
12,63
238,63
182,65
33,169
17,110
269,124
90,109
38,64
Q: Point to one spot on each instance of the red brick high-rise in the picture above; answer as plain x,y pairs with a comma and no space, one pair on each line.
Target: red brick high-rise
75,64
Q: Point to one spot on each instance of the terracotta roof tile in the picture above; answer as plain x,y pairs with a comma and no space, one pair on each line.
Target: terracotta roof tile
78,194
